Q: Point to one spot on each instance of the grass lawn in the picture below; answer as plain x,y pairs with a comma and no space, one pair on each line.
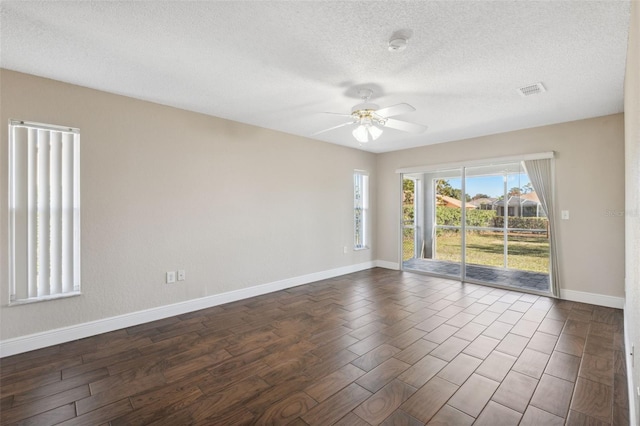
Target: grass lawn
407,244
528,252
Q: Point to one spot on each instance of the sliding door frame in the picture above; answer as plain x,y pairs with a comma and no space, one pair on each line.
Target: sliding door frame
463,166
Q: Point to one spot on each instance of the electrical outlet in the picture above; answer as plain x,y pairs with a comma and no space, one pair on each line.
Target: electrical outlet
171,277
181,275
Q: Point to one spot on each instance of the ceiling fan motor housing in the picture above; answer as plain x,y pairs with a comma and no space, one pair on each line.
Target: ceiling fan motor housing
365,114
367,106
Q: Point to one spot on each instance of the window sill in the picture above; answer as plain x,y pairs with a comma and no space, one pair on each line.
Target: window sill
44,298
361,248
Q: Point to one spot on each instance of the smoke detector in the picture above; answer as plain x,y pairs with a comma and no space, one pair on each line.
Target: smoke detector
531,89
397,44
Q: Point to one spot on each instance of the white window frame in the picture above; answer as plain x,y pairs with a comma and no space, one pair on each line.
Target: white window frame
44,205
360,210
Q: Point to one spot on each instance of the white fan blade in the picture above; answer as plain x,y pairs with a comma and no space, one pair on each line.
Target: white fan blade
339,114
392,110
405,126
332,128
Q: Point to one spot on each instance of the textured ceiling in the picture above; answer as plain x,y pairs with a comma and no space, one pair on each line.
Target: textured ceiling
280,65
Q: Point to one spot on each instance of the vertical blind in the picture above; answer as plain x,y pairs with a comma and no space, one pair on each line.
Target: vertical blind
44,197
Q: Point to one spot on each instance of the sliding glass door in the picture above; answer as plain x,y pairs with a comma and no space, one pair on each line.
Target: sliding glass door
432,211
485,236
446,235
480,224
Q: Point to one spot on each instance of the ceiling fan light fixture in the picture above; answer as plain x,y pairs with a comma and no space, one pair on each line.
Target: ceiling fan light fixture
366,132
361,134
375,132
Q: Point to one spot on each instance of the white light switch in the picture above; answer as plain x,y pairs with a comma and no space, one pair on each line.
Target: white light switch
565,214
171,277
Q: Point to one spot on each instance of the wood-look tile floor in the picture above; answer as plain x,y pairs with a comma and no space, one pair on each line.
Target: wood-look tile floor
373,347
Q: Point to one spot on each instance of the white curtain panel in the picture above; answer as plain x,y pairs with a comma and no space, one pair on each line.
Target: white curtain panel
541,174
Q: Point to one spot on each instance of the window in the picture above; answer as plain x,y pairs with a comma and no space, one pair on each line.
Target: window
361,209
44,211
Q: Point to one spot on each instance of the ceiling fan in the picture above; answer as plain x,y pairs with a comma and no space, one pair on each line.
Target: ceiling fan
370,119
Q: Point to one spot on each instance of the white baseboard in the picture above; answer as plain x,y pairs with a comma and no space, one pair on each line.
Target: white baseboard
57,336
593,298
387,265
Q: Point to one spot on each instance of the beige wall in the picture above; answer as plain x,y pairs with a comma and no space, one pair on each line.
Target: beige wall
632,179
589,181
165,189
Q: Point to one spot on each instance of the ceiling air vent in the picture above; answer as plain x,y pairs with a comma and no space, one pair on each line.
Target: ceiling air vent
531,89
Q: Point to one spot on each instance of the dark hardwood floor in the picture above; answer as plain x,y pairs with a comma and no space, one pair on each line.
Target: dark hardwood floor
373,347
